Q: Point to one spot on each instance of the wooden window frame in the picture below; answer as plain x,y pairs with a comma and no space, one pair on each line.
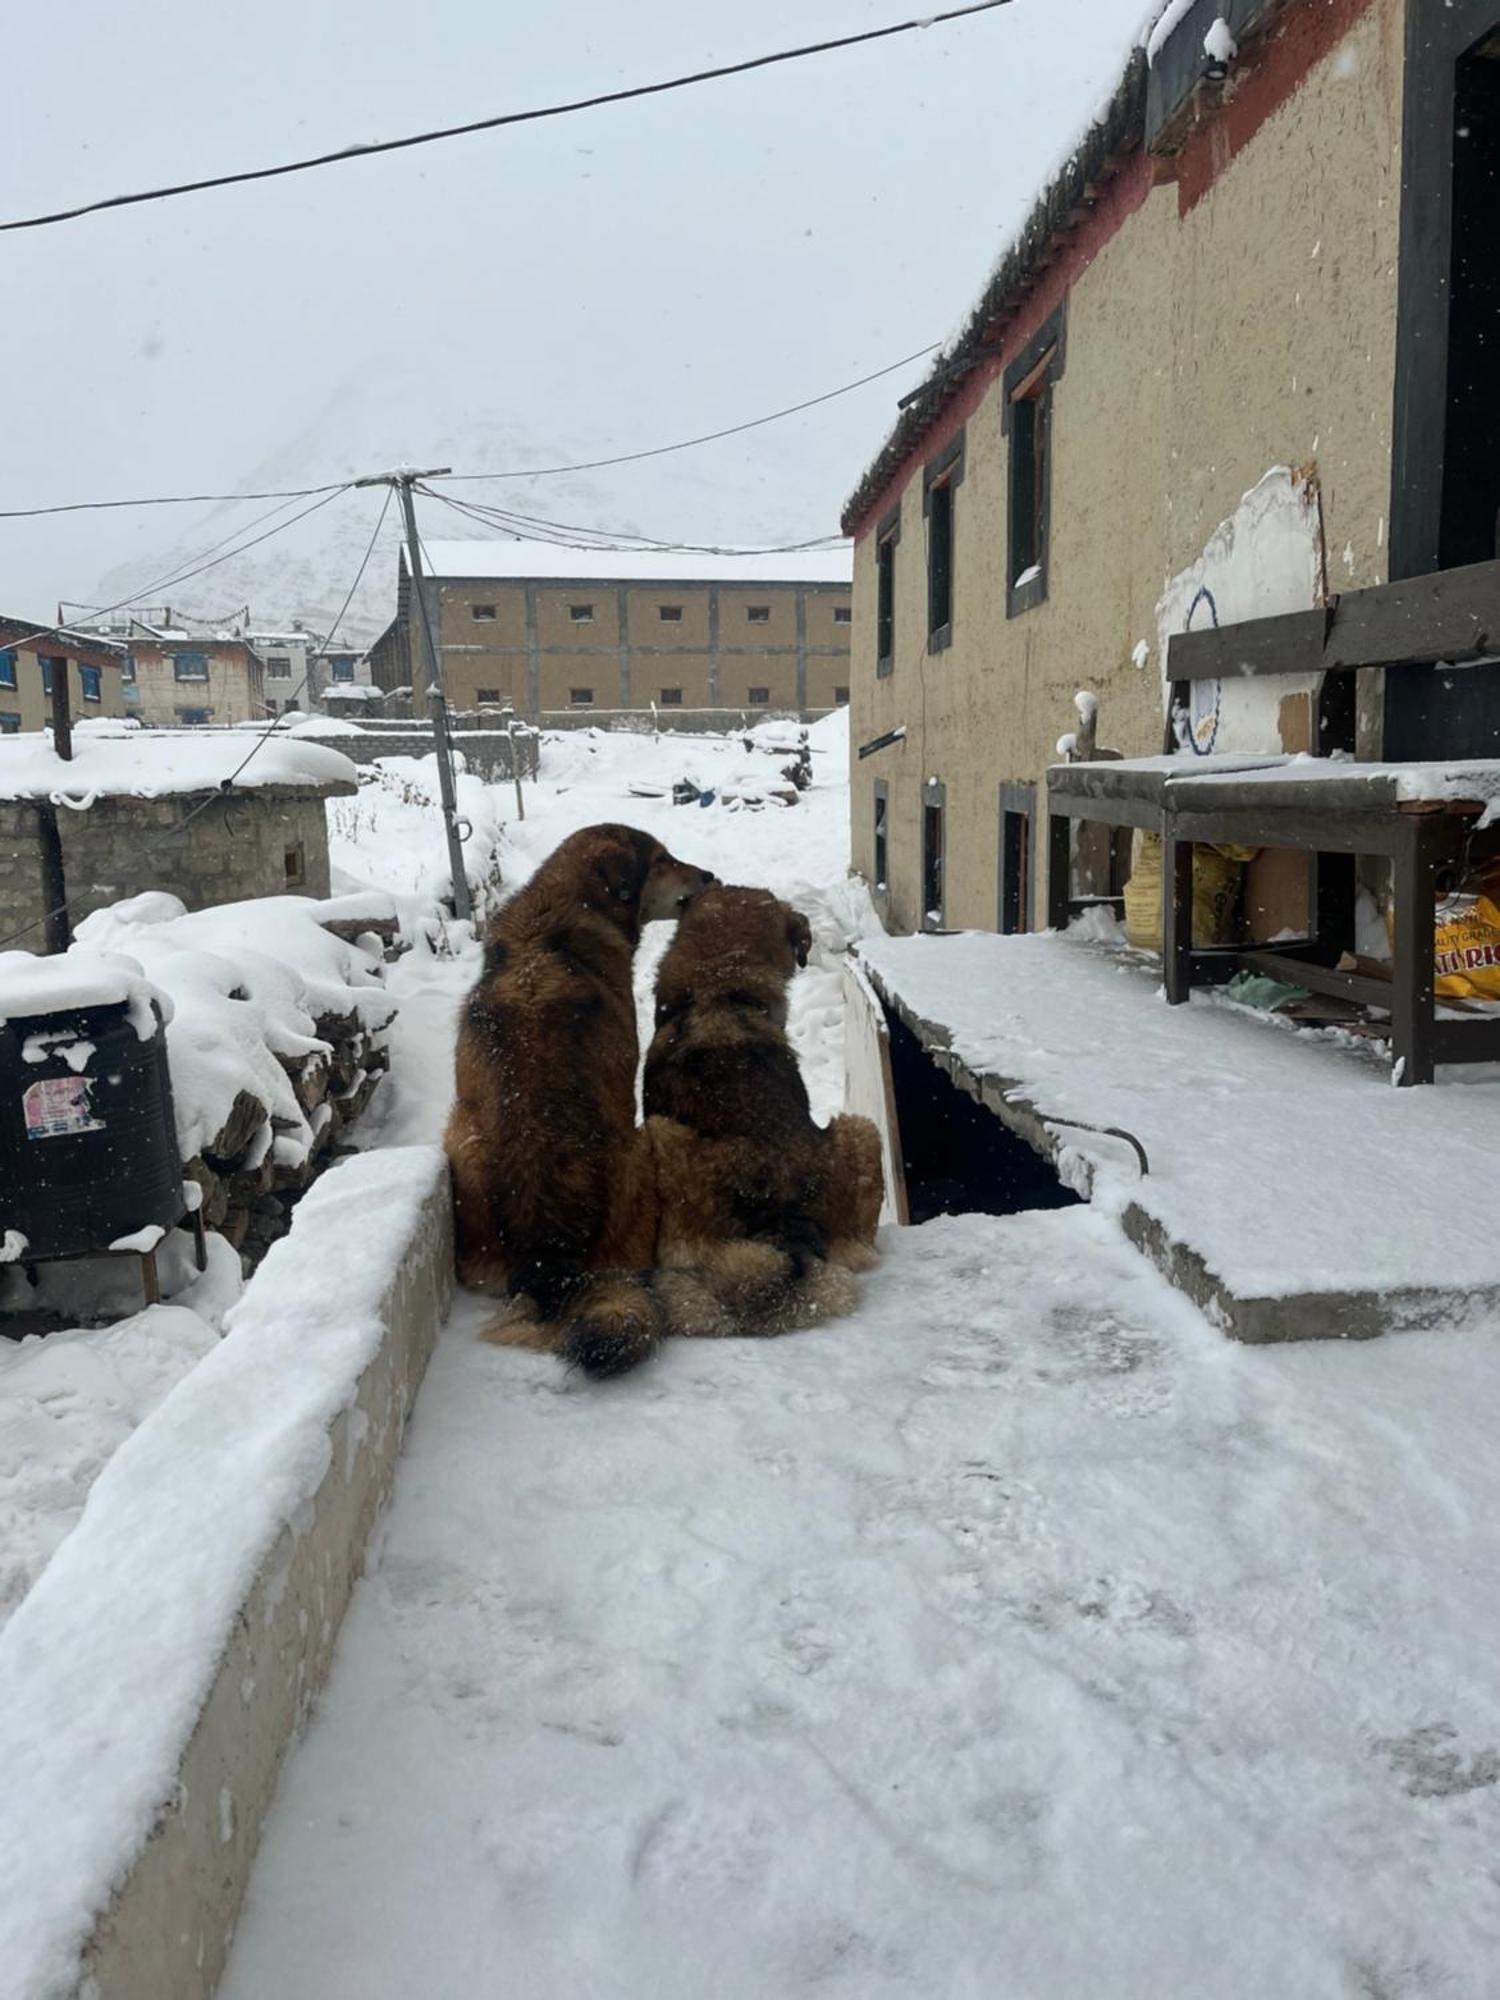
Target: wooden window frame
671,698
887,540
935,800
941,479
1031,380
757,697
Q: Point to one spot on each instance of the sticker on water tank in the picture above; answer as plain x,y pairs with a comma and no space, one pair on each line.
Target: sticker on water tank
58,1106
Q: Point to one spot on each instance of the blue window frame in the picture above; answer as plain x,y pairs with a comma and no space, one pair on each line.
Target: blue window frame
46,677
91,682
193,717
7,666
10,722
190,666
343,668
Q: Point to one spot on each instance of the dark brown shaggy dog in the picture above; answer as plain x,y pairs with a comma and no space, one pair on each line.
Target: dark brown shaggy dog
762,1212
552,1180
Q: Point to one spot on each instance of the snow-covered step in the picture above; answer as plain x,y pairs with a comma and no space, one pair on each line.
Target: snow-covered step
1289,1191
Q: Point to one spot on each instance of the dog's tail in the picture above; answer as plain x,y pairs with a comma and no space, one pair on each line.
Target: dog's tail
613,1324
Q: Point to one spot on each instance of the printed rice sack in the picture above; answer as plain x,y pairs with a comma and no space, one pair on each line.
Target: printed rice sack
1216,892
1467,946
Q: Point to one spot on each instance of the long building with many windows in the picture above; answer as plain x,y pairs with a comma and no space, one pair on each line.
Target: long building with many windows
541,629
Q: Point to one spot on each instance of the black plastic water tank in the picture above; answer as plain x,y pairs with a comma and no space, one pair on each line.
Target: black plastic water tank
88,1145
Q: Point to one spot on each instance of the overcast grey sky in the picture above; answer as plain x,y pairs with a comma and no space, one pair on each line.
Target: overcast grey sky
596,283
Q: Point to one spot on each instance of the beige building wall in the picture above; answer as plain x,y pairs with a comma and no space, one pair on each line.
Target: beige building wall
34,708
233,692
535,651
1256,331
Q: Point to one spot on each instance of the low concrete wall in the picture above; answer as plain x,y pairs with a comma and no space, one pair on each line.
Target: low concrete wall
209,1671
486,752
675,721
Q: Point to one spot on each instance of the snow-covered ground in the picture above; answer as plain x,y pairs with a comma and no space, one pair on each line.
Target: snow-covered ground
1019,1636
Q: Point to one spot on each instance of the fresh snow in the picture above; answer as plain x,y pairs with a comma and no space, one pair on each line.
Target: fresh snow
107,1660
1018,1637
157,763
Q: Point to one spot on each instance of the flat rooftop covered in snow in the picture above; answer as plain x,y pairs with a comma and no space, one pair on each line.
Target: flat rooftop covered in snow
160,763
500,561
1281,1193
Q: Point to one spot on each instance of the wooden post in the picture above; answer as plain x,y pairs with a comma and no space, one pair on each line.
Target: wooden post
57,931
515,769
1176,912
1414,971
62,711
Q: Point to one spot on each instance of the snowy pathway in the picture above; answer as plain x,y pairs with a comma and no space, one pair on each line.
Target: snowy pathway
1018,1638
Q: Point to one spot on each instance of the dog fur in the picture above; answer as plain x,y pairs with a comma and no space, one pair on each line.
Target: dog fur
553,1182
763,1214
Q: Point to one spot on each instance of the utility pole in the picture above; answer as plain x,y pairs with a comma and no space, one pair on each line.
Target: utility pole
402,483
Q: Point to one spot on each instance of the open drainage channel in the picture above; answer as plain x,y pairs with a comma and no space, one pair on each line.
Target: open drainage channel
960,1159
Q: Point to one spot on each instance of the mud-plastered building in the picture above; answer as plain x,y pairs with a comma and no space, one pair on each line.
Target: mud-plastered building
1241,358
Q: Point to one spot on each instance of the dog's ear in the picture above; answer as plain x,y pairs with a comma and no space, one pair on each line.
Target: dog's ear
799,936
623,866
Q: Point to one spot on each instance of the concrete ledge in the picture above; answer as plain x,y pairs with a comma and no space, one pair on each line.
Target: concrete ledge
157,1672
1105,1169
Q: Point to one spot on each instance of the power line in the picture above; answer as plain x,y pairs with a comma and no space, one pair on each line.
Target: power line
460,478
708,437
429,138
607,541
166,500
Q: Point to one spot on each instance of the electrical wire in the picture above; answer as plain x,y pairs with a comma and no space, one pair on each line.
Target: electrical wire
464,478
429,138
607,541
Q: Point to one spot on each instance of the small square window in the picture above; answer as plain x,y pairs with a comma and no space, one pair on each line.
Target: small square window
841,697
482,614
671,697
581,614
343,668
190,666
580,697
491,695
278,666
7,667
758,614
758,697
669,614
90,682
843,614
195,718
10,722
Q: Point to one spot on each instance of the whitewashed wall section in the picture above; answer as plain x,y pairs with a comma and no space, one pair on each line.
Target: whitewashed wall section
1267,558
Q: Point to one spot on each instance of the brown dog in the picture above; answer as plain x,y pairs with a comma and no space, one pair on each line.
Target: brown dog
551,1177
764,1209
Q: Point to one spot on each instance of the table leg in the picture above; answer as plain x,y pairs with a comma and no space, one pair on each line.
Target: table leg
1415,892
1176,914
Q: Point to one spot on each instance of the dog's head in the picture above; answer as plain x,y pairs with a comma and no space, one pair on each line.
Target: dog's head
635,880
736,939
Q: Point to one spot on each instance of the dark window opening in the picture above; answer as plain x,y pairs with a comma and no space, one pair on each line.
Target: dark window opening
671,697
488,695
343,669
190,666
885,617
959,1158
482,614
91,683
10,722
581,614
758,697
580,697
7,667
841,697
1030,427
47,666
295,862
1470,529
758,614
842,615
932,859
279,667
195,718
940,563
1015,872
882,849
669,614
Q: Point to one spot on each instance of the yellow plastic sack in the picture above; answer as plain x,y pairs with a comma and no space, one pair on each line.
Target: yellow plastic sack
1467,947
1216,890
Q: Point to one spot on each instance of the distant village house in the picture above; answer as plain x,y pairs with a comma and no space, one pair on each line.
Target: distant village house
31,655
